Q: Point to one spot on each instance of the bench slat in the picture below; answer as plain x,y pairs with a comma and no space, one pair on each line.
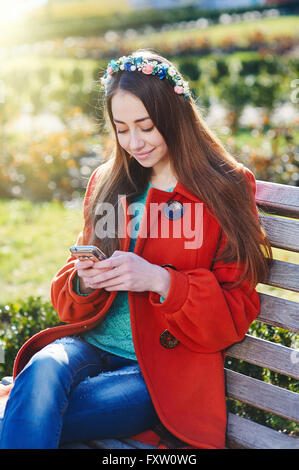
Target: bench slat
263,353
279,312
280,199
245,434
282,233
284,275
262,395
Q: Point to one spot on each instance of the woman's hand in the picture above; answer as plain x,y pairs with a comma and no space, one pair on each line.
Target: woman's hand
84,268
124,271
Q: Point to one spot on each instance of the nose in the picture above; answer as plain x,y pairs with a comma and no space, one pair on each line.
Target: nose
136,141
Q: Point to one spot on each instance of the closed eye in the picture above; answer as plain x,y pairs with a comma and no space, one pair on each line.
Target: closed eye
144,130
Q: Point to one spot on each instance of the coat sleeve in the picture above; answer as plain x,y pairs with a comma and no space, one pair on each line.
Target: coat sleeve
200,312
70,306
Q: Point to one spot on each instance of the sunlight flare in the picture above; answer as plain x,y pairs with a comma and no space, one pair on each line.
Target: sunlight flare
15,9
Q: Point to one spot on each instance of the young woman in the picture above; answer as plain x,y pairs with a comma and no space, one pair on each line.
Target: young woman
145,333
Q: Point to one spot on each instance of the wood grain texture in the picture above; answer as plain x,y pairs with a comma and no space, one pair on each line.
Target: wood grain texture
262,395
280,199
263,353
246,434
284,275
282,233
279,312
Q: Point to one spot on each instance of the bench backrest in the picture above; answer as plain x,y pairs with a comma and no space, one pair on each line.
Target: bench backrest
274,201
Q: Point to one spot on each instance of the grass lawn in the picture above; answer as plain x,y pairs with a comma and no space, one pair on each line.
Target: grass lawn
35,239
240,32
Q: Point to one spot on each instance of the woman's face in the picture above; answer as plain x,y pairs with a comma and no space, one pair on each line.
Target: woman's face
136,131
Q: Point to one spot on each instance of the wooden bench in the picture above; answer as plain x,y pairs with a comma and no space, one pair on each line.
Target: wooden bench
279,201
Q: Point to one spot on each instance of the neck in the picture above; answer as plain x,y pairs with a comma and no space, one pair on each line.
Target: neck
163,178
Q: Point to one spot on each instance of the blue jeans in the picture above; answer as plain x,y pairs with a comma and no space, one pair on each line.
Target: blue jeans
71,391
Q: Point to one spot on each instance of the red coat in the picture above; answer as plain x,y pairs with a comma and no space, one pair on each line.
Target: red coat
186,382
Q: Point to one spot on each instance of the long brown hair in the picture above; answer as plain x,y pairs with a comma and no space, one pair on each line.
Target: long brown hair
199,160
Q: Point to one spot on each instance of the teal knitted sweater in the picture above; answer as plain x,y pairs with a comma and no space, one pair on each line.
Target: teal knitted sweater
114,333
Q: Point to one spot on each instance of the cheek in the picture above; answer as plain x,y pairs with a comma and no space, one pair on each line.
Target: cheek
123,141
158,141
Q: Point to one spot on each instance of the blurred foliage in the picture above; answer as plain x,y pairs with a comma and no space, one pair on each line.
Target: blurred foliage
18,322
47,167
57,104
57,20
276,36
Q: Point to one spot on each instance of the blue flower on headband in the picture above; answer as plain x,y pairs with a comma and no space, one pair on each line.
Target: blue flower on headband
128,66
161,73
138,60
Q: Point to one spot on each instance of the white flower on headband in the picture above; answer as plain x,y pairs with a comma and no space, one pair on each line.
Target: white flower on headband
148,67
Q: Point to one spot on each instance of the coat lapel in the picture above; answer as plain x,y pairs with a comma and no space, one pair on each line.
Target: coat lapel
150,219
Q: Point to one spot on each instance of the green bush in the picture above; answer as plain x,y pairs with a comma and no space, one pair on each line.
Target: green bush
189,69
18,322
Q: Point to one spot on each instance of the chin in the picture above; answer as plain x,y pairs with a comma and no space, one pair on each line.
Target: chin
148,162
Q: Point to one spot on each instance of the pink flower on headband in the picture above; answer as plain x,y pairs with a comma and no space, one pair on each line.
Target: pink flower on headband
148,69
179,89
110,70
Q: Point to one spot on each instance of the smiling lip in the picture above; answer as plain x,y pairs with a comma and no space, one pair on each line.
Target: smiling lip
143,155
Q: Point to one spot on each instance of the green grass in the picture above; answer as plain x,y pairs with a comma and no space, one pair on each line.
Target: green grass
35,241
241,32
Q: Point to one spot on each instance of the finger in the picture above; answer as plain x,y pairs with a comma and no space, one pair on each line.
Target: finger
116,284
109,275
91,273
83,264
116,287
111,262
87,273
100,266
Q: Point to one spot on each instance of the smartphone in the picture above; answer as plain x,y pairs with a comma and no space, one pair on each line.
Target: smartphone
87,252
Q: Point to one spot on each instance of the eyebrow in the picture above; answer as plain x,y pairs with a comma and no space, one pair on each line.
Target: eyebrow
137,120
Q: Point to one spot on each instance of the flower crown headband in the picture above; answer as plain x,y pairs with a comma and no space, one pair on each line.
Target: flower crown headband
148,67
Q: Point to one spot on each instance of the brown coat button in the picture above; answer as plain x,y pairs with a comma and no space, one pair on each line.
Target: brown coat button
167,340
